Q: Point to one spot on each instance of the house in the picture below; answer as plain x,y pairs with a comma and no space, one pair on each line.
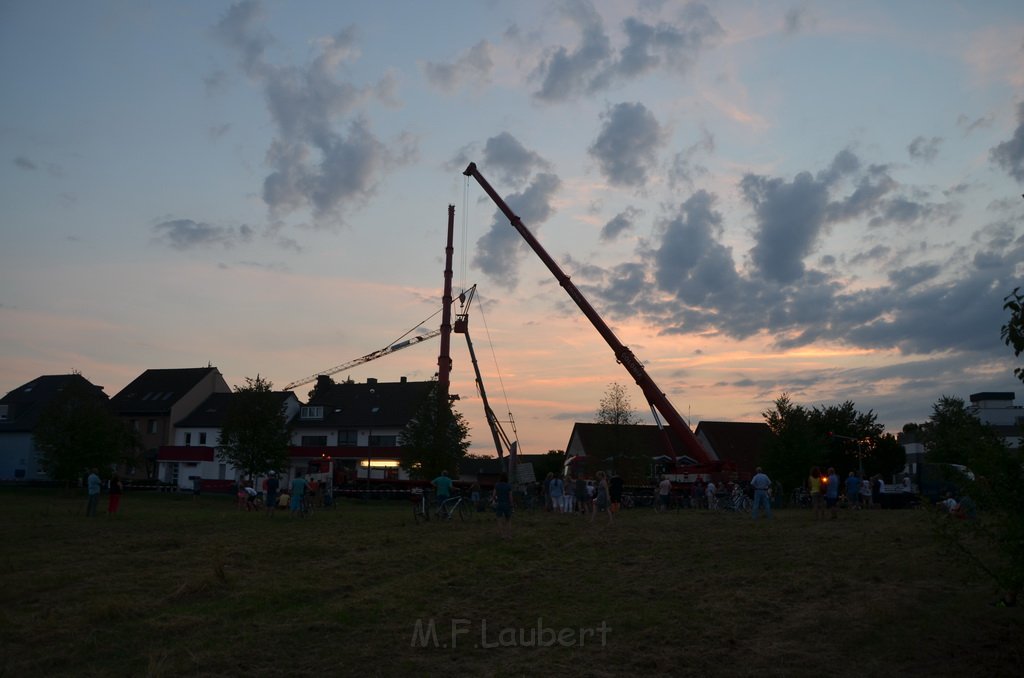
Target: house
996,409
155,400
193,452
741,445
636,452
357,426
20,410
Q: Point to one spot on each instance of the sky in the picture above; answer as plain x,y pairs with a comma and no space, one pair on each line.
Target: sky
822,199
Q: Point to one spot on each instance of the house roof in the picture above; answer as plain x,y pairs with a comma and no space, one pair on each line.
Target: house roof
993,395
155,391
742,443
28,401
351,405
211,412
609,440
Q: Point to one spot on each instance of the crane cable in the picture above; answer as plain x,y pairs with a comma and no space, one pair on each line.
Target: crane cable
463,264
494,357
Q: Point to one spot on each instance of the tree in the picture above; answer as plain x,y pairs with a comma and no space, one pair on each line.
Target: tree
793,448
994,542
616,411
435,439
553,461
1012,332
616,408
78,431
952,432
255,435
834,435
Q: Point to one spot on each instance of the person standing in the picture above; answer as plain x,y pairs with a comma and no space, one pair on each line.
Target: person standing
116,488
712,498
853,490
865,493
664,494
443,487
502,500
93,483
832,492
582,496
273,485
615,491
568,495
545,490
761,484
602,498
298,494
815,490
555,488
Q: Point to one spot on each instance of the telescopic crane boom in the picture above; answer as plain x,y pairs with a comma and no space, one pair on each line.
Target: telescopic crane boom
623,355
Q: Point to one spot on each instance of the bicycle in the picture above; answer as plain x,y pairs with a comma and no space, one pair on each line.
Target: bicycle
453,506
421,506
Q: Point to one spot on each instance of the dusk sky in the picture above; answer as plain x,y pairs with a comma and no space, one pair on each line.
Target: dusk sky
818,198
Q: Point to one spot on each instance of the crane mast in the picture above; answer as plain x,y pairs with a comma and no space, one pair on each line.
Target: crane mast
623,355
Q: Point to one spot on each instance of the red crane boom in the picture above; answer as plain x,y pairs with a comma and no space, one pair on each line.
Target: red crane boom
623,355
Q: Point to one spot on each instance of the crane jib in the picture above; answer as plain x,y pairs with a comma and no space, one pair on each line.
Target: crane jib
654,395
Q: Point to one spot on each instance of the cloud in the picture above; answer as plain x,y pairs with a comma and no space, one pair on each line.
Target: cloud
499,251
922,307
505,155
969,125
23,163
925,150
683,169
790,217
620,223
675,48
186,234
1009,155
218,131
594,65
565,73
690,262
473,67
797,19
627,146
314,164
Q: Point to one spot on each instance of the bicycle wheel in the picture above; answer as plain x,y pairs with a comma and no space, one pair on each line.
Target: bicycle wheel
463,510
419,514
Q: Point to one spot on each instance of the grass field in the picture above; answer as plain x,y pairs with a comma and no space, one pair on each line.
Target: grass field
176,586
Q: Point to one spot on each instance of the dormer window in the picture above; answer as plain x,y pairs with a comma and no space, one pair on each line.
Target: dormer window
312,412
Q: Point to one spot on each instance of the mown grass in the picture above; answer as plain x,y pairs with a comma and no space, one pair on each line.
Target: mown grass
181,587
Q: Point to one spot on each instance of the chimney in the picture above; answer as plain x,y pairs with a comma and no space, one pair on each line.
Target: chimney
404,380
371,380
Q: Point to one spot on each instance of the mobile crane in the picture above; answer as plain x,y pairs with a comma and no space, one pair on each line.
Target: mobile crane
655,397
502,443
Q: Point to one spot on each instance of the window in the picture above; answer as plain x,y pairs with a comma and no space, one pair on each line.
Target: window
348,438
383,441
134,425
312,412
314,441
152,426
188,440
202,438
222,471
